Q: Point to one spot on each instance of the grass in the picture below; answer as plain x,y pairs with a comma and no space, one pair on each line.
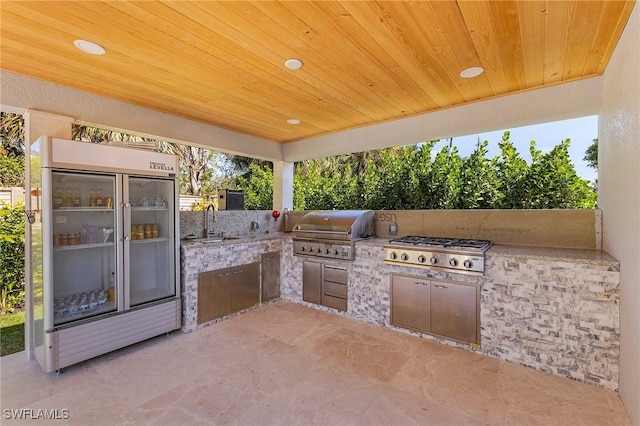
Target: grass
11,333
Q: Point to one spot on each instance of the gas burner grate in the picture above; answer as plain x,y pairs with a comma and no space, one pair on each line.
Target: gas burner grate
450,243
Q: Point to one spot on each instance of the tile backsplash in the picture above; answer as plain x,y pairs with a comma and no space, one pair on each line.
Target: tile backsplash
231,222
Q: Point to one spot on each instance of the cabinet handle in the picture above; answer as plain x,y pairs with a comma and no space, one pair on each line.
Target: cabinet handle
335,268
421,283
224,275
440,286
238,272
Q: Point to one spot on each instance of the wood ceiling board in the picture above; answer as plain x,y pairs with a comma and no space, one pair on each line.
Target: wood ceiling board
440,65
612,22
504,16
387,40
329,98
379,78
197,83
118,62
584,24
365,62
434,37
333,53
450,17
477,16
532,22
559,15
292,105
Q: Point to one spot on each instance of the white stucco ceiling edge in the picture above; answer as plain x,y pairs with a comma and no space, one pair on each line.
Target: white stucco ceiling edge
20,93
559,102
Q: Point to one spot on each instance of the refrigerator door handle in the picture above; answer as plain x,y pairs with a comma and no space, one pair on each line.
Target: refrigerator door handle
127,221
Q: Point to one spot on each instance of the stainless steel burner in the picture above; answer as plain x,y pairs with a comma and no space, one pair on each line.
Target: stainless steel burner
454,254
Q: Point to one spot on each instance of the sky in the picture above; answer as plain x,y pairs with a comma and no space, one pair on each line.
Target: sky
581,131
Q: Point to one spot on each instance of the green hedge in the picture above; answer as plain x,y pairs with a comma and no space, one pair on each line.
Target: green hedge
12,252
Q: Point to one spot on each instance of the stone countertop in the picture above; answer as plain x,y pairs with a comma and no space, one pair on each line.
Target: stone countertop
594,257
241,239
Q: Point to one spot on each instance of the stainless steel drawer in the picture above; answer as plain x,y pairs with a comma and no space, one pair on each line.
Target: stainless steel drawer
336,275
334,302
334,289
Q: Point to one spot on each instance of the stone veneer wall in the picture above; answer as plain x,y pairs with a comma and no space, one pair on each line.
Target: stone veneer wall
554,315
231,222
555,310
551,313
198,257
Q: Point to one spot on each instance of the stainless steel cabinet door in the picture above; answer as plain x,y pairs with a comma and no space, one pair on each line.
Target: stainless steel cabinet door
454,311
410,303
270,276
245,286
312,282
214,297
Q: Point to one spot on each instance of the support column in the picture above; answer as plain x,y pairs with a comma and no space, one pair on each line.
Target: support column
36,124
282,185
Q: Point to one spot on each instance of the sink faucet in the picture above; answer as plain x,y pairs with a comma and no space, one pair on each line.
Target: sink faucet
208,219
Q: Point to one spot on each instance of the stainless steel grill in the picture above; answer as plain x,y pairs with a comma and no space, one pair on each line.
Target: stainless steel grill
332,233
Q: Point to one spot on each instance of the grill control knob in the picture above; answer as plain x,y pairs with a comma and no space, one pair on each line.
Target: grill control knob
453,262
433,260
319,250
422,259
468,264
336,252
326,251
393,255
303,249
404,257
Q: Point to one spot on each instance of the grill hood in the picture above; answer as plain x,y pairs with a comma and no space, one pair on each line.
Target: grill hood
342,225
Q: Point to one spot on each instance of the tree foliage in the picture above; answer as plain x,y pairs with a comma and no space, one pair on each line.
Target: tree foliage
257,186
195,171
591,155
11,149
409,177
12,252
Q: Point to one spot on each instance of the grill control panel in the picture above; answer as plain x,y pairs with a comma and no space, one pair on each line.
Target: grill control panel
468,263
323,249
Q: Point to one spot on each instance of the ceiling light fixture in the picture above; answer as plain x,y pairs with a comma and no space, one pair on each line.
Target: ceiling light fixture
293,64
293,121
89,47
471,72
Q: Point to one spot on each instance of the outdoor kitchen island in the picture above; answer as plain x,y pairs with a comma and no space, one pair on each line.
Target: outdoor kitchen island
555,310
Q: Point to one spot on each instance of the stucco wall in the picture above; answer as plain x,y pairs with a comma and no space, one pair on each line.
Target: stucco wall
619,188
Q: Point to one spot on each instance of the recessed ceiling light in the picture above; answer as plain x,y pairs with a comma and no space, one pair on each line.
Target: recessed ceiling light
293,64
89,47
293,121
471,72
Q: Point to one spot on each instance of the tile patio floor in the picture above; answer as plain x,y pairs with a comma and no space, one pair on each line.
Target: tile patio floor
287,364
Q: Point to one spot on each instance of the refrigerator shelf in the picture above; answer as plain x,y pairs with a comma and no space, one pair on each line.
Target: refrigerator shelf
83,209
148,240
82,246
63,318
149,295
139,208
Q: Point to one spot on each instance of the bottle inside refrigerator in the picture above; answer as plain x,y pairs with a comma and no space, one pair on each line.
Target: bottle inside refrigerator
104,253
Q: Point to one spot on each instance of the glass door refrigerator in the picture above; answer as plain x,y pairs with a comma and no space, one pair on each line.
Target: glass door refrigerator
104,254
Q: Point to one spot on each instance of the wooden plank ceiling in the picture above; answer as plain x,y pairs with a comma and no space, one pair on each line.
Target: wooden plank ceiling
222,62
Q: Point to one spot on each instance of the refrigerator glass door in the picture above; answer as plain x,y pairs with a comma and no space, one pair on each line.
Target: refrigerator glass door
150,271
84,255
